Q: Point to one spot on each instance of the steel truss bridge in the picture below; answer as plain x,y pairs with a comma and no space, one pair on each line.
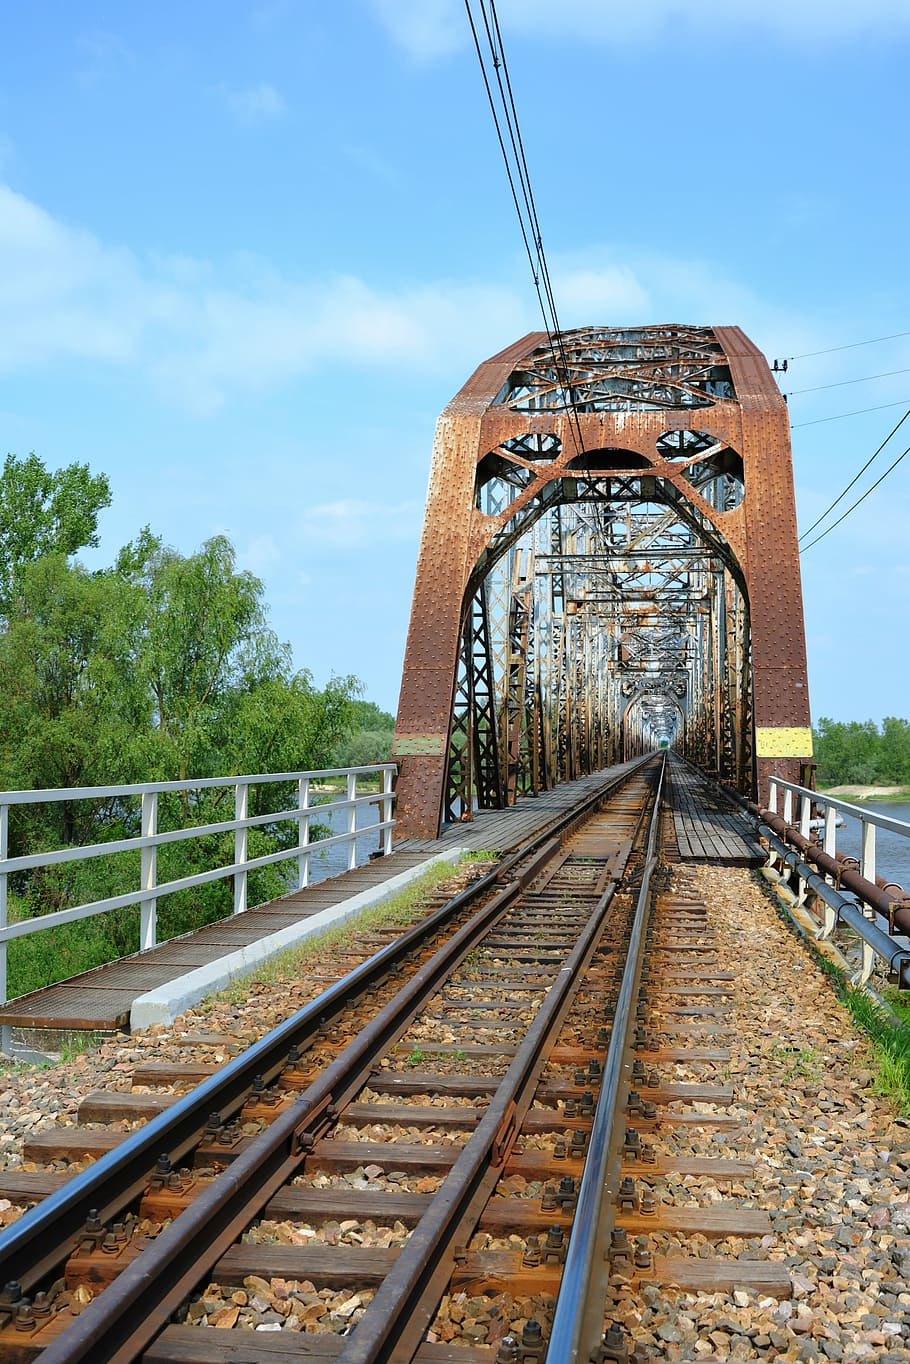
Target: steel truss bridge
608,565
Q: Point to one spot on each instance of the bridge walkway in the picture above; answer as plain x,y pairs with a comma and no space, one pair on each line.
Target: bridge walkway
169,978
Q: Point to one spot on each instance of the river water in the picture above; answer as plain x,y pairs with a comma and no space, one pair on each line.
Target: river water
892,851
332,861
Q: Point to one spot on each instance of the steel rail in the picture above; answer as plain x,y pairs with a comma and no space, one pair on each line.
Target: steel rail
396,1320
125,1318
43,1237
33,1247
577,1328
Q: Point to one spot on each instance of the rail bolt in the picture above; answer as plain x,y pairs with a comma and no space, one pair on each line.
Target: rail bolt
638,1069
567,1192
633,1103
647,1154
642,1253
25,1320
614,1349
532,1335
42,1306
509,1351
631,1147
648,1207
580,1075
570,1108
579,1141
548,1199
531,1257
10,1294
559,1149
603,1037
587,1103
595,1069
649,1109
653,1080
620,1248
627,1197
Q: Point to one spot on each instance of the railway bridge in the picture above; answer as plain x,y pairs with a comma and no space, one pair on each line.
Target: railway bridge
432,1141
608,565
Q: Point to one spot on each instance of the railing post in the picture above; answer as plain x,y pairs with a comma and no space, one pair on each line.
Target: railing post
352,821
241,844
788,806
772,795
385,809
829,845
303,832
867,869
805,815
148,872
6,1032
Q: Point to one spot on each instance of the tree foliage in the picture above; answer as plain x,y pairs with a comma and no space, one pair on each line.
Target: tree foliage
863,754
161,667
45,512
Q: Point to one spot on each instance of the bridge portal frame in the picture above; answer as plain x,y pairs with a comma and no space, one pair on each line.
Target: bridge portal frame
457,539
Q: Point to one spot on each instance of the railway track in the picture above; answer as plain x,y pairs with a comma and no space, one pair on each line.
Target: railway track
480,1113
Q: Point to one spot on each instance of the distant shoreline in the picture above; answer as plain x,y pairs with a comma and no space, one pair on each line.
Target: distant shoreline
860,794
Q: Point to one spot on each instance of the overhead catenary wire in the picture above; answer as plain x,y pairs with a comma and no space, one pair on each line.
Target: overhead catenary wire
854,480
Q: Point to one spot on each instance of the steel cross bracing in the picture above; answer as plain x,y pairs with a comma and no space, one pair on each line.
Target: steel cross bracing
608,566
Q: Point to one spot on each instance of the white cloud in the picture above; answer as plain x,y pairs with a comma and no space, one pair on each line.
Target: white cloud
351,522
201,332
427,29
255,103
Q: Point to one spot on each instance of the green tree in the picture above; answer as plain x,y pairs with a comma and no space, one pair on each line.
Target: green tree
162,667
44,512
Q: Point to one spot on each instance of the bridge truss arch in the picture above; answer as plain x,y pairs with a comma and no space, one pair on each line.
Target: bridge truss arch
608,564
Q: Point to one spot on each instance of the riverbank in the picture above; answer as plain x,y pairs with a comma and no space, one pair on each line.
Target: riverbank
861,794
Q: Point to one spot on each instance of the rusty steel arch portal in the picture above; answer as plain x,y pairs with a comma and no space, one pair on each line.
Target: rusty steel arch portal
609,564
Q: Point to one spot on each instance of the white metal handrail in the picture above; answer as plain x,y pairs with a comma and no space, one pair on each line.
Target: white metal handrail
870,820
149,840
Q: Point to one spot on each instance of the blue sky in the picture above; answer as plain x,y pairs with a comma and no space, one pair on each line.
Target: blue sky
250,250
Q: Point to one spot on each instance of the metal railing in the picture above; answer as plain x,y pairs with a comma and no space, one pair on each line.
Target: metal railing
830,806
149,840
873,897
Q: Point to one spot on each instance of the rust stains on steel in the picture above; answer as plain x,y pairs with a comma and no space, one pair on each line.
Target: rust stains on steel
608,565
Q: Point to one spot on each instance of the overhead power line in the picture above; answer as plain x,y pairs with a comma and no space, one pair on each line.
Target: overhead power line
851,345
853,481
842,383
858,412
511,144
857,502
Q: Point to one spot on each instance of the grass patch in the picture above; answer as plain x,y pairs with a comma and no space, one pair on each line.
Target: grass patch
890,1040
398,911
481,855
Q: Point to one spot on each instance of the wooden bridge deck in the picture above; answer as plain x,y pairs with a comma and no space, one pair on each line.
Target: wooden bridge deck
708,828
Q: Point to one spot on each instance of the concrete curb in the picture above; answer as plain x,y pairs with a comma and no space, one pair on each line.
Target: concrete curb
163,1004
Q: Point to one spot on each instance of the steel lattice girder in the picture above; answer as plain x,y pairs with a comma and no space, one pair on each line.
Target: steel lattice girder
681,522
